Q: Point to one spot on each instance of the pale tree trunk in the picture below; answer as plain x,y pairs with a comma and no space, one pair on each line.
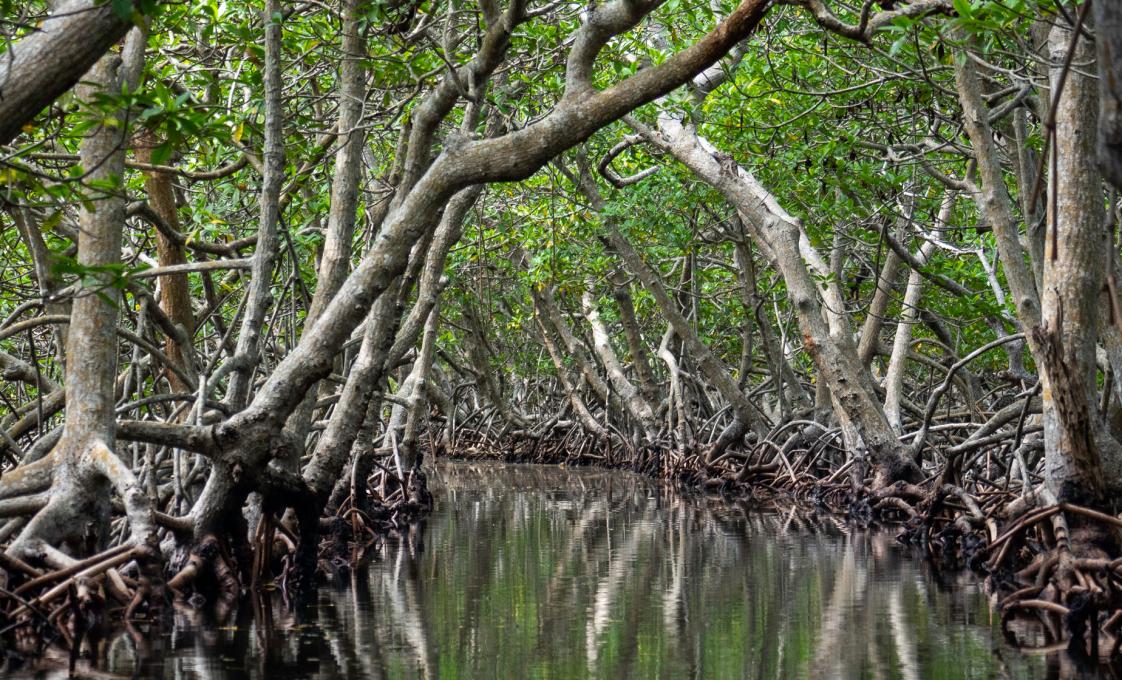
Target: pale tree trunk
634,401
512,156
789,392
621,292
827,334
379,353
85,466
747,346
621,389
745,414
570,387
909,316
1074,267
335,261
252,438
993,196
365,378
636,405
48,283
996,209
220,499
1062,337
432,280
676,408
902,342
248,352
418,400
874,320
551,316
43,65
1026,167
349,429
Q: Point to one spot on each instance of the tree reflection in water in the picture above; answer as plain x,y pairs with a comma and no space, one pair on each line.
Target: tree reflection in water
534,572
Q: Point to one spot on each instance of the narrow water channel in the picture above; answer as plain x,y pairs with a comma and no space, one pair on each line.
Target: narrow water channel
537,572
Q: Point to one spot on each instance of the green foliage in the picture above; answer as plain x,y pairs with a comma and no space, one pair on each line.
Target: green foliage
843,134
135,10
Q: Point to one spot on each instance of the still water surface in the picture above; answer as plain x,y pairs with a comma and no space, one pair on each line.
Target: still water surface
537,572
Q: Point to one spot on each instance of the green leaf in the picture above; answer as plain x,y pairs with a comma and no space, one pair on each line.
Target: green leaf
122,8
161,154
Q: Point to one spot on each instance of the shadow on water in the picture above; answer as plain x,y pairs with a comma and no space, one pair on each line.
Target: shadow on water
535,572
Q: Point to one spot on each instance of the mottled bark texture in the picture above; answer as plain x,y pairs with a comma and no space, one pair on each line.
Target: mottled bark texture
243,445
827,333
83,466
1075,256
175,294
259,298
46,63
992,196
335,260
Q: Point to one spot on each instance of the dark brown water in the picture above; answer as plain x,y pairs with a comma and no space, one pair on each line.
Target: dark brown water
535,572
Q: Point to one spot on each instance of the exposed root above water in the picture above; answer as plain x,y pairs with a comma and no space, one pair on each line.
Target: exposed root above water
56,605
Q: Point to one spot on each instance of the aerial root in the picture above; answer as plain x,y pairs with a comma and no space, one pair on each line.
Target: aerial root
208,564
53,605
73,604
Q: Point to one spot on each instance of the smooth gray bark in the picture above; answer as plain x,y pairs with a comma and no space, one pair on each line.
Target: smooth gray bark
247,354
335,260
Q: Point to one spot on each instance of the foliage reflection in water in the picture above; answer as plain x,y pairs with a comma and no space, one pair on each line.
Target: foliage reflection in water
536,572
